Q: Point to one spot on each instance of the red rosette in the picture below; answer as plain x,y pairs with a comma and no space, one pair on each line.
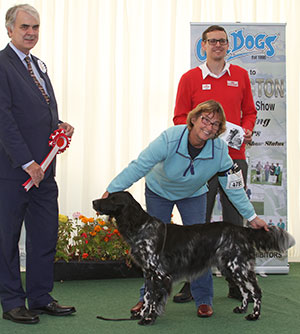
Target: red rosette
59,142
59,138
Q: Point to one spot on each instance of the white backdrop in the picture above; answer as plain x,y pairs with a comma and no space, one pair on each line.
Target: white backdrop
115,67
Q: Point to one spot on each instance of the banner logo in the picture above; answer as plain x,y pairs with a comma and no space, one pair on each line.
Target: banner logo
241,45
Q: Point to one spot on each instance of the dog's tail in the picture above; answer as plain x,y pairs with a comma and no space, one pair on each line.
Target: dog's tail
275,239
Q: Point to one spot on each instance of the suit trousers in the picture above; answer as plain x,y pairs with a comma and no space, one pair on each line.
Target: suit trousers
230,213
38,209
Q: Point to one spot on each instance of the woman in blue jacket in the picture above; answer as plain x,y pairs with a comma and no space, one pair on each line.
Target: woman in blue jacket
177,166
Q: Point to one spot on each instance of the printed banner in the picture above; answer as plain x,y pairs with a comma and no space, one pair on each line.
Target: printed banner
260,48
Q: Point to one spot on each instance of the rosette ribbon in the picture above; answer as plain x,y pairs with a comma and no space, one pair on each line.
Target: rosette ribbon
59,142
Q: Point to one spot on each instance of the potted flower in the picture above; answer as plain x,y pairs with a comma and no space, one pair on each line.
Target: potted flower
91,248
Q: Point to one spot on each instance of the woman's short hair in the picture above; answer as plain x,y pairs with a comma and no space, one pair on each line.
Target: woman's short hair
210,106
11,14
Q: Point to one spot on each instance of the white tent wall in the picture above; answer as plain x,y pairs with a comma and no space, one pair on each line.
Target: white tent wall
115,67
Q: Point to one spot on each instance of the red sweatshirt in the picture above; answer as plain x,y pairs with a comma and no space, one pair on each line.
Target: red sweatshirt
232,91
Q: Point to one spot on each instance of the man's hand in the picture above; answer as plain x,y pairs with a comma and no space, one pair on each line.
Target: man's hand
69,130
247,136
259,223
36,173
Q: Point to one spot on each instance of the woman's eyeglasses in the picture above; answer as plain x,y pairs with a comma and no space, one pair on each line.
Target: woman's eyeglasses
207,122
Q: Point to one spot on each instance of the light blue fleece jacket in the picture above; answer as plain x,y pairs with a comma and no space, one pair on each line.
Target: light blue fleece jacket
172,174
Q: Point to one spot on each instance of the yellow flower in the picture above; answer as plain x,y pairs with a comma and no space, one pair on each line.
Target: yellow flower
63,218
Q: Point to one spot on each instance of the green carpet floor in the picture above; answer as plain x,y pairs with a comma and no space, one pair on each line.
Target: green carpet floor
113,298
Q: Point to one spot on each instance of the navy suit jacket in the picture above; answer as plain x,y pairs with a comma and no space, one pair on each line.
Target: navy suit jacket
26,120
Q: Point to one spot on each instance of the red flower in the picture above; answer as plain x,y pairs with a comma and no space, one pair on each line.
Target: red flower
85,255
84,235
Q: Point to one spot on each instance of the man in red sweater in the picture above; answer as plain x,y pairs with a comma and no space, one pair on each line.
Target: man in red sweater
230,85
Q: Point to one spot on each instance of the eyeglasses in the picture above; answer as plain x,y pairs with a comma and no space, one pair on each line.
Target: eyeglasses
213,41
206,121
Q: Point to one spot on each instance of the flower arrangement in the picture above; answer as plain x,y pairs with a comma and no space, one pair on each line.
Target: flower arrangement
89,239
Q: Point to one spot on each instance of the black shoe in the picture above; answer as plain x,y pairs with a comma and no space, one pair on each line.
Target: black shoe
54,308
234,292
21,315
184,295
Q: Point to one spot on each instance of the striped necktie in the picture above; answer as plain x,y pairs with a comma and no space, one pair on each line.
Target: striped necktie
46,97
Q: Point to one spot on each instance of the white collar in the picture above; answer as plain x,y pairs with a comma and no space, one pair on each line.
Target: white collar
206,71
19,53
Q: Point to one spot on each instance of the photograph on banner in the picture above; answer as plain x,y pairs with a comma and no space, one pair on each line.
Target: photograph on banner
266,172
260,49
279,222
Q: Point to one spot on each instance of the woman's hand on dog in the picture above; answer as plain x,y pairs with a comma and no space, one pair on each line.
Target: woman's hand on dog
255,223
259,223
105,195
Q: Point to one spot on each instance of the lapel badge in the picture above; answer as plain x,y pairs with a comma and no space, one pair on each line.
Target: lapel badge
42,66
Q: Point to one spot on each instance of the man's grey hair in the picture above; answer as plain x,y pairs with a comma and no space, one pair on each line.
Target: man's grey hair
11,14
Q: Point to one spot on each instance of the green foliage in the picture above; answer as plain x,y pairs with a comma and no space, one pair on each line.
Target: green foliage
89,239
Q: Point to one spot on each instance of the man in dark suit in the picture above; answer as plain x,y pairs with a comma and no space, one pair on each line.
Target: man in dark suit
28,115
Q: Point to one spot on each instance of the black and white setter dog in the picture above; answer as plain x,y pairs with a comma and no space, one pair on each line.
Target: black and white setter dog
169,252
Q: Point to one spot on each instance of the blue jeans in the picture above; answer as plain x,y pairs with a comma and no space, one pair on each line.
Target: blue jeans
192,211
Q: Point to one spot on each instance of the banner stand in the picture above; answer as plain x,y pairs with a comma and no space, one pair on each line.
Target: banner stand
260,49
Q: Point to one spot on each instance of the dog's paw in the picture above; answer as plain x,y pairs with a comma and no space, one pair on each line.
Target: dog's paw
252,317
239,309
136,316
146,321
